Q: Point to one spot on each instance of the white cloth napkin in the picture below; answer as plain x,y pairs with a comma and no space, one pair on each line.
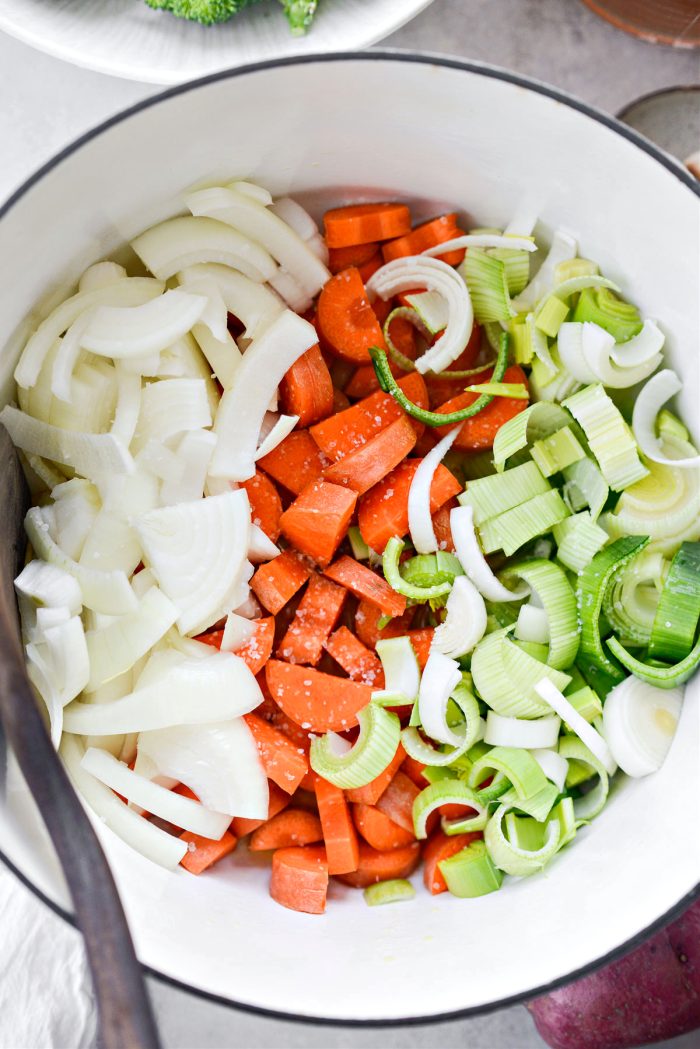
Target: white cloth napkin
45,993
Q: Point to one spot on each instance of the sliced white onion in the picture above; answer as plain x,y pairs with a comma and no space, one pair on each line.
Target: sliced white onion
255,192
171,406
554,766
647,406
132,291
255,305
250,608
482,240
131,331
406,274
465,624
166,804
114,649
197,552
288,288
67,655
441,676
420,521
219,762
517,732
243,407
67,356
524,220
46,585
101,275
89,454
190,691
107,592
260,548
532,624
539,344
264,227
187,241
639,723
193,453
40,674
128,407
223,355
432,310
156,844
75,507
570,346
273,432
48,617
472,560
586,350
112,544
160,460
401,670
301,222
237,631
563,248
640,348
585,732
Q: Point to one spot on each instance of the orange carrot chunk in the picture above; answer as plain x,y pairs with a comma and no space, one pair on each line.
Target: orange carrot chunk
441,847
372,792
295,462
288,828
357,661
315,617
351,429
366,466
318,519
316,701
480,431
203,852
383,511
367,628
265,504
339,833
281,759
414,770
367,585
306,389
299,879
377,866
346,323
397,801
257,649
279,799
421,640
363,223
357,255
276,583
378,830
428,235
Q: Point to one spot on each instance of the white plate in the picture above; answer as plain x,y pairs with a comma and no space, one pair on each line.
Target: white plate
329,129
128,39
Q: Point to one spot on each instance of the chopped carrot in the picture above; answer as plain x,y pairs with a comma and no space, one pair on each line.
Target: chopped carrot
383,511
314,620
377,866
425,443
441,526
421,640
314,700
403,336
256,651
203,852
339,835
300,878
396,801
357,661
281,758
363,223
340,401
347,431
367,585
364,381
427,235
295,462
279,799
378,830
442,387
382,308
414,770
440,847
347,324
291,827
367,628
275,583
480,431
366,466
318,519
355,255
372,792
369,268
306,389
265,504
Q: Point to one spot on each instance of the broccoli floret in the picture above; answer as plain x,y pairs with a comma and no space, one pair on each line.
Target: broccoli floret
207,12
299,14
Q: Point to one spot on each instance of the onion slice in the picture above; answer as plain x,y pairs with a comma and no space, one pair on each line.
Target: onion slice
562,249
520,732
465,624
472,560
640,348
585,732
89,454
554,766
187,241
440,678
482,240
639,723
124,332
115,648
282,426
647,406
254,305
420,522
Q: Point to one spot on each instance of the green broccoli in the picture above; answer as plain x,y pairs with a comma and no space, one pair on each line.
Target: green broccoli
299,13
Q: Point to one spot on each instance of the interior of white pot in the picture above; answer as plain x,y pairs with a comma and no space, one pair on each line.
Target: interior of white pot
448,137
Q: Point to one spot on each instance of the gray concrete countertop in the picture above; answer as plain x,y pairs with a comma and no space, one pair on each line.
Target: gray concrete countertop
47,103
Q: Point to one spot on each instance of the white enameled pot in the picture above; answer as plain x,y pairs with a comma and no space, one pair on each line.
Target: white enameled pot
447,134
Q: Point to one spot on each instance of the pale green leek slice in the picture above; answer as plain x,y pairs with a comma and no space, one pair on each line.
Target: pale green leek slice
394,891
578,540
539,420
608,436
512,529
558,600
448,792
592,802
471,872
505,676
508,857
493,495
354,766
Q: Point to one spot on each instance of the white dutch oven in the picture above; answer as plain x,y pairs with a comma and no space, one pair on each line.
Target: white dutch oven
448,134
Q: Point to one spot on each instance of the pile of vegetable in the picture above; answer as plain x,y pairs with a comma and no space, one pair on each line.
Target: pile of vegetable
299,13
348,546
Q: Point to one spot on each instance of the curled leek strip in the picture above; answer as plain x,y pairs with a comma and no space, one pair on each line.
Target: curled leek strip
413,317
448,792
661,676
393,891
417,748
678,611
350,767
393,576
554,591
401,672
591,803
516,764
512,859
471,872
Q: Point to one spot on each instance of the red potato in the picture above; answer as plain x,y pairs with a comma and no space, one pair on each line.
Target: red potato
651,994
